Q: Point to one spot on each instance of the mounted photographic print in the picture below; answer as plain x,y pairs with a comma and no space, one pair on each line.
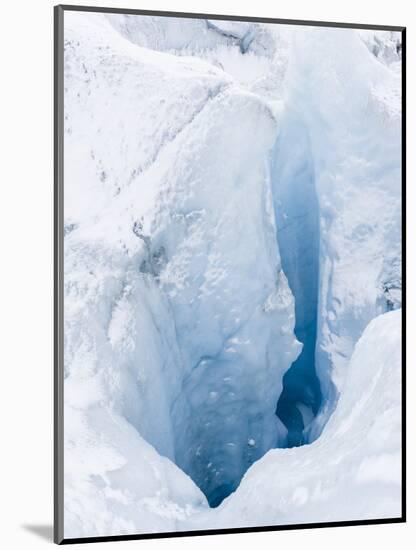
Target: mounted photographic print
229,224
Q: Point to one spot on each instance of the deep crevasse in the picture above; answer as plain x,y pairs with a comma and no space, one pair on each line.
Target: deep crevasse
193,316
298,233
341,132
351,107
179,318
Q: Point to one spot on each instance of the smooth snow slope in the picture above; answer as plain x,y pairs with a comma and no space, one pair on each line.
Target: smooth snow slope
208,198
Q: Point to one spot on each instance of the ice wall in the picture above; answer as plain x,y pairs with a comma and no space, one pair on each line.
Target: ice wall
179,319
353,471
350,103
297,217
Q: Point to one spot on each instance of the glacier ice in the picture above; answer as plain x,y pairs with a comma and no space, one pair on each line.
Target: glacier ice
232,226
297,218
353,471
338,151
353,111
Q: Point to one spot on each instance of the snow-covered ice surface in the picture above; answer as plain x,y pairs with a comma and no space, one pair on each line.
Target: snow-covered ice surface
232,226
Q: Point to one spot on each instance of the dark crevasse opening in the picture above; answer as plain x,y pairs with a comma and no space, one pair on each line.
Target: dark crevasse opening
220,493
224,433
216,449
215,442
297,222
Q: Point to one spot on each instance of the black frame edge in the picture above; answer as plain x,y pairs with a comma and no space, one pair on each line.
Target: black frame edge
242,530
404,280
58,278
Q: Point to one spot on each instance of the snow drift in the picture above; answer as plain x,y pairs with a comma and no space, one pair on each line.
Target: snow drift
232,205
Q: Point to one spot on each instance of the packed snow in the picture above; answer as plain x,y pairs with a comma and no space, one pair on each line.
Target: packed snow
232,274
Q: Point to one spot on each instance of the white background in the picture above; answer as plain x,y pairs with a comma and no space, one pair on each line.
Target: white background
26,232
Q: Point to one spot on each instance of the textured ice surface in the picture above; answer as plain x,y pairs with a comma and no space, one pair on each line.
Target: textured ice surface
231,190
336,181
298,232
351,106
178,314
353,471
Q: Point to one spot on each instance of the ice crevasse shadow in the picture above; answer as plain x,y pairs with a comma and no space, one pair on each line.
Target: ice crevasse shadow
233,405
297,220
222,437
